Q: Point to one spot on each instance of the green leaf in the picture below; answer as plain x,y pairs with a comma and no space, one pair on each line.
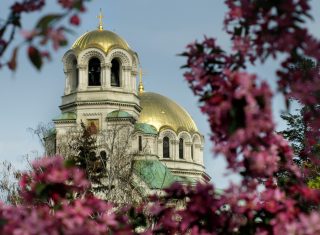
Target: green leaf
184,66
237,31
47,20
3,222
69,163
35,57
199,47
78,5
63,43
15,19
68,30
233,123
186,54
40,188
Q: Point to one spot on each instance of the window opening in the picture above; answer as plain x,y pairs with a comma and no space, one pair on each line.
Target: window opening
94,73
115,73
192,151
166,147
140,143
181,148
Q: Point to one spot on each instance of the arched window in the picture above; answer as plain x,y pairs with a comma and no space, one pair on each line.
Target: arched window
115,73
140,143
192,151
94,72
75,75
166,147
180,148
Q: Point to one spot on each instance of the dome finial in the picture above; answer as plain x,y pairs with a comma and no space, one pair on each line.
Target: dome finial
100,16
141,87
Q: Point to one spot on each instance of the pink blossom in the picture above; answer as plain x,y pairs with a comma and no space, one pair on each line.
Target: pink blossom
56,36
28,35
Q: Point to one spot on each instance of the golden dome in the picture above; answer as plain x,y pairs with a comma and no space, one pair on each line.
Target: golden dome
161,112
102,39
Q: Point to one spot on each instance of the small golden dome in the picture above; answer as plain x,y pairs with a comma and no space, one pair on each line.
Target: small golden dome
161,112
102,39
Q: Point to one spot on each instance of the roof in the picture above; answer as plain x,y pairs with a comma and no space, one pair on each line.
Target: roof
102,39
146,128
156,175
119,114
66,116
162,112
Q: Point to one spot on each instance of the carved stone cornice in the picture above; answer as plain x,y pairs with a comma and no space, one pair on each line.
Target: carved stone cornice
67,71
121,119
64,121
121,55
92,114
126,68
186,172
106,65
81,66
134,73
184,161
192,172
106,102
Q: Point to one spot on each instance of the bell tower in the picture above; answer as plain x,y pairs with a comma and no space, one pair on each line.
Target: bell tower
101,91
100,77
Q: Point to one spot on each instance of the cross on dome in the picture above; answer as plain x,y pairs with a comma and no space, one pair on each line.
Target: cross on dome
100,17
141,87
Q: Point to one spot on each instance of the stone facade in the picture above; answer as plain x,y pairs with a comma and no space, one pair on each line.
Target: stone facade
103,104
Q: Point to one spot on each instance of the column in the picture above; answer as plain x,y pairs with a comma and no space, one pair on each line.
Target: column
67,87
83,78
133,80
173,149
188,151
160,153
126,70
106,77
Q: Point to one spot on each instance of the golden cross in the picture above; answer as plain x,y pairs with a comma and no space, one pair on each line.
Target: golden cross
141,87
100,16
140,74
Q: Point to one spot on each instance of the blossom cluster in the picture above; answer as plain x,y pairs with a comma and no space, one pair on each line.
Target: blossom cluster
48,177
238,107
50,29
54,201
272,198
271,29
27,6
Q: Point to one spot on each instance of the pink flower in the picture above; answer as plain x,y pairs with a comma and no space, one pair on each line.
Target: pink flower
28,35
67,3
75,20
56,36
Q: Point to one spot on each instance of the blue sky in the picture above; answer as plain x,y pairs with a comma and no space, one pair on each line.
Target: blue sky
157,31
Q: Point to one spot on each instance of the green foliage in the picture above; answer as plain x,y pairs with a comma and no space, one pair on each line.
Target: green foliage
314,183
295,132
84,145
48,20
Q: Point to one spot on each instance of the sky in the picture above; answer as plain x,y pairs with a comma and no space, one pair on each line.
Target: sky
158,31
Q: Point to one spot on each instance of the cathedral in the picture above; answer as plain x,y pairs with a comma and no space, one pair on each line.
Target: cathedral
103,86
